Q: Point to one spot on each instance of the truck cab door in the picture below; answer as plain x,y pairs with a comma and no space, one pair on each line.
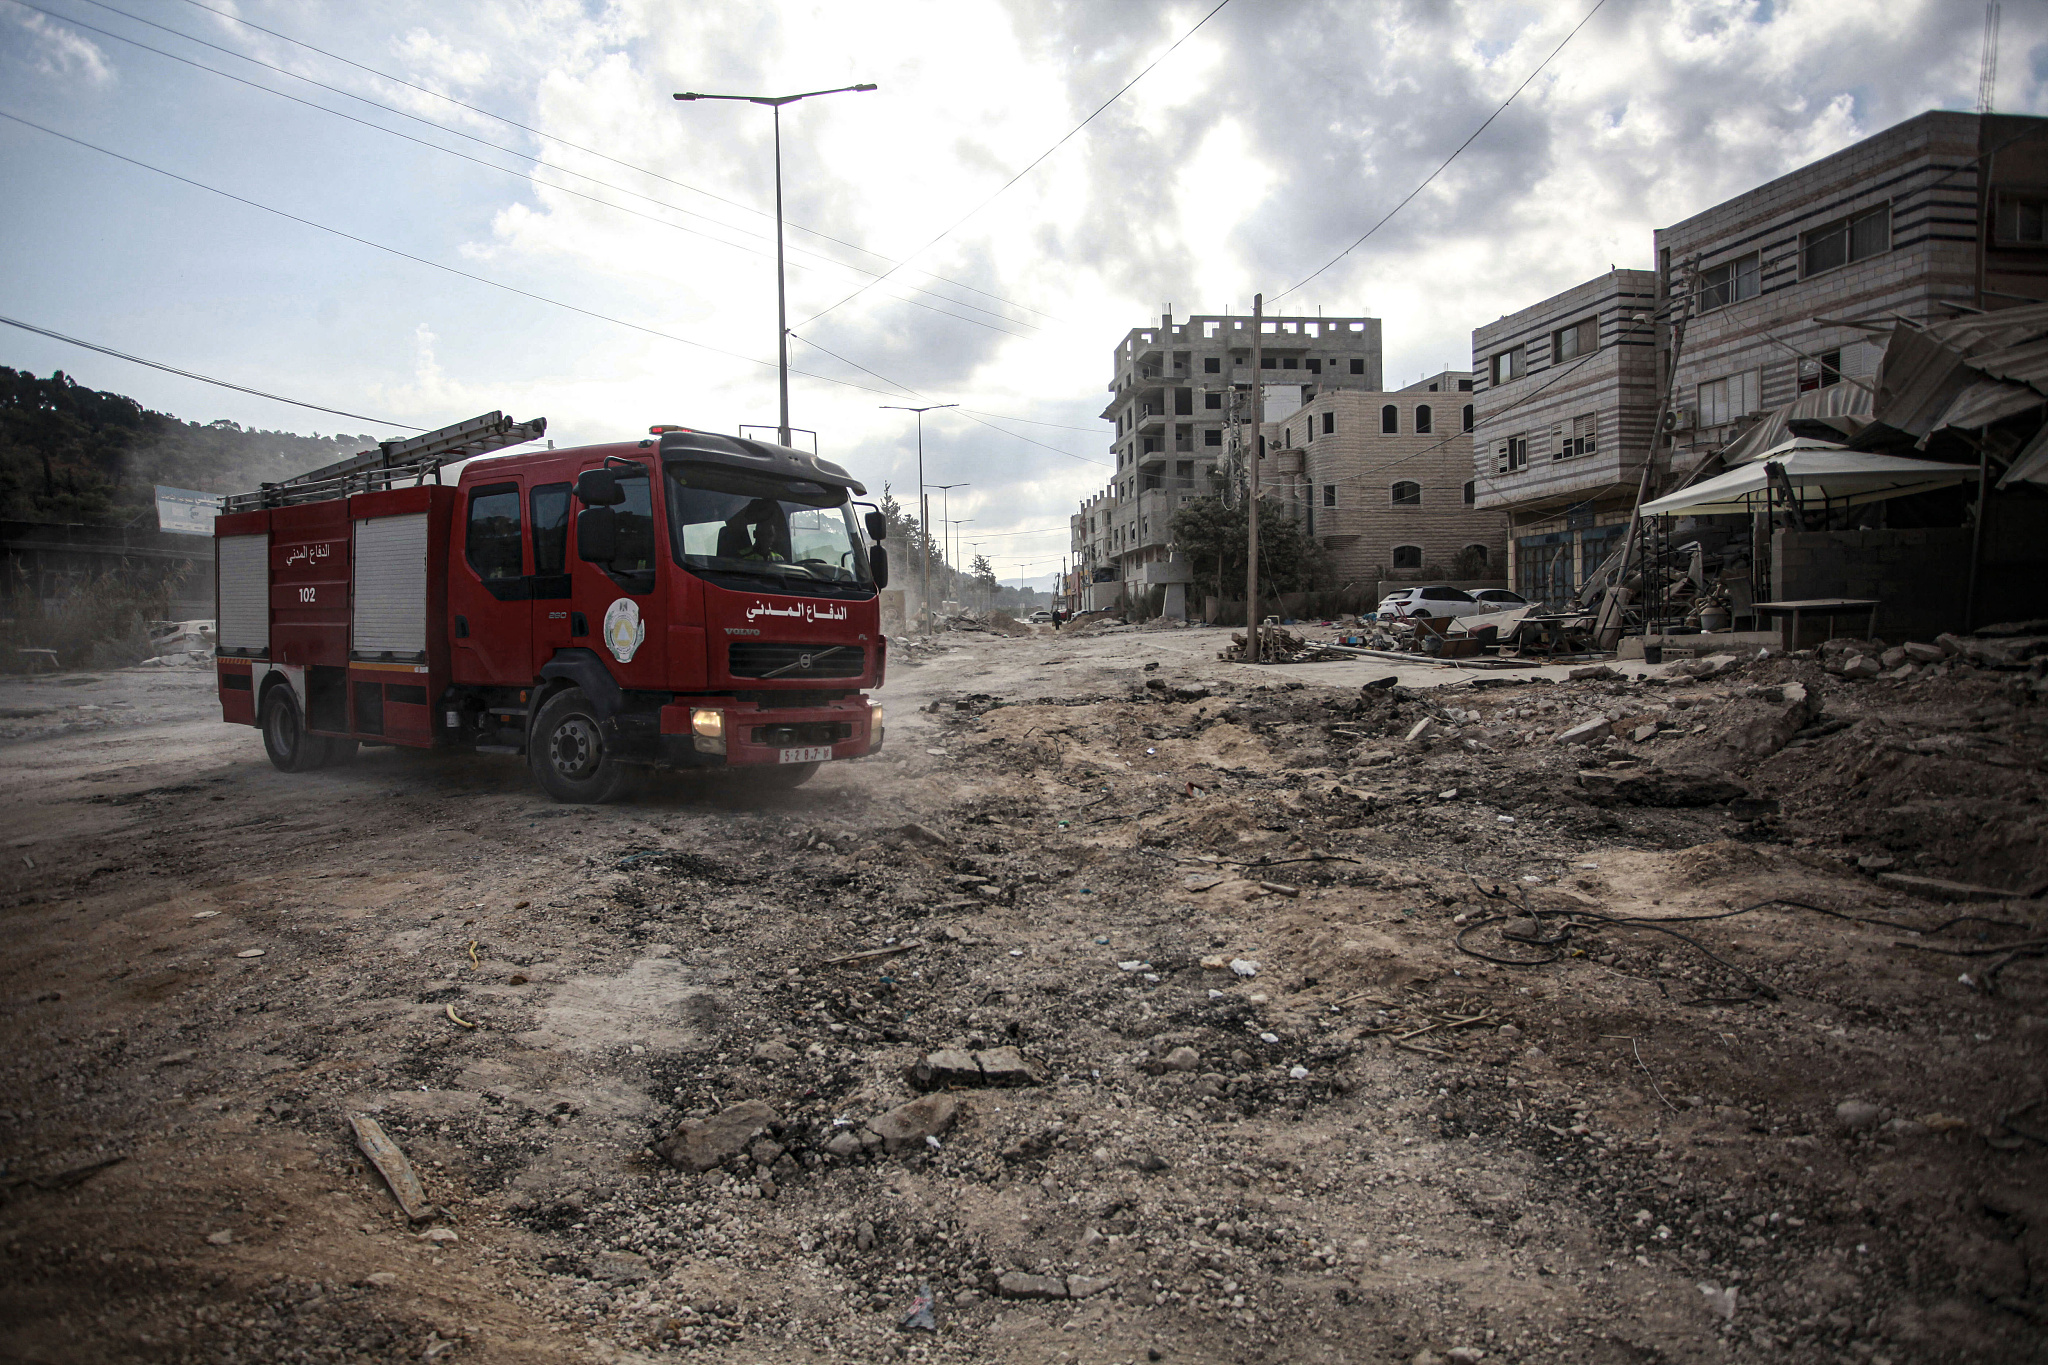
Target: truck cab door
489,597
547,509
620,603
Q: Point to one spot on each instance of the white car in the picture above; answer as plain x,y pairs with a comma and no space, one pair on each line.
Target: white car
1040,618
1433,601
1500,599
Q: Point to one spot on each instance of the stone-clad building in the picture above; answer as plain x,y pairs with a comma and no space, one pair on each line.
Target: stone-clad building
1384,480
1788,292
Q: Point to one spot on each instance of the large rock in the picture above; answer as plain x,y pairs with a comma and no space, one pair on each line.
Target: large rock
1793,708
908,1125
1006,1066
1923,653
947,1067
700,1144
1017,1284
1677,786
1587,732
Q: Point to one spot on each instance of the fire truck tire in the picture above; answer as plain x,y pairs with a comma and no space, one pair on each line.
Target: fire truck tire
285,740
778,777
567,751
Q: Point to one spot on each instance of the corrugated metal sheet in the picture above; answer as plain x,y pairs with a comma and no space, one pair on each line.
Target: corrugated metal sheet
391,586
1993,331
1920,377
244,569
2023,364
1988,400
1836,400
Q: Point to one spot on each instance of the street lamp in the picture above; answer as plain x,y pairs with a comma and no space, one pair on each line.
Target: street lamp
775,102
924,511
946,510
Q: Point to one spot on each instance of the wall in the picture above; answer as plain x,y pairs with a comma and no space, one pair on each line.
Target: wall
1920,577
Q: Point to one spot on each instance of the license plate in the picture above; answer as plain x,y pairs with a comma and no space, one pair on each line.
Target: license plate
816,754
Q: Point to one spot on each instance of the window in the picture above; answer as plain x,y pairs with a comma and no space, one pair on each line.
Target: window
1732,396
550,506
1213,402
1330,423
1581,338
1510,365
1478,554
493,547
1464,386
1820,372
633,567
1423,420
1315,366
1390,419
1212,437
1729,282
1407,493
1468,417
1212,364
2022,220
1290,363
1511,454
1287,438
1471,491
1855,238
1580,437
1269,362
1357,365
1329,495
1407,556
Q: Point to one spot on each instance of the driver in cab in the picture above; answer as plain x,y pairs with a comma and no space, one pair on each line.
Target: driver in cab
758,533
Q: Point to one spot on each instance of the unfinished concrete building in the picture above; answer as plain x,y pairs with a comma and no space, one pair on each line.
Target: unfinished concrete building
1176,392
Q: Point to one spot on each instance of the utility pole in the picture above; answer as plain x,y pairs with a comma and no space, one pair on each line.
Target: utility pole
924,502
1258,448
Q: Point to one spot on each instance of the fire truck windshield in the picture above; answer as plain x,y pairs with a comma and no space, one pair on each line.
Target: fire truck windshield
800,536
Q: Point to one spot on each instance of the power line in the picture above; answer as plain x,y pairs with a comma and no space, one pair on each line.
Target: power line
497,147
553,137
435,265
1029,421
1021,174
202,378
1454,155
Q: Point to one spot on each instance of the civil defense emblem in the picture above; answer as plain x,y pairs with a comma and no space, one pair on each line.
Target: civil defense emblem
623,629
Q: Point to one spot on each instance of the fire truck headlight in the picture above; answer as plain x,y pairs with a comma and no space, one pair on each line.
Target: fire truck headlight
707,730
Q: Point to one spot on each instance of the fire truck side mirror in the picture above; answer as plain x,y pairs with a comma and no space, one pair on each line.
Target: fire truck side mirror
597,532
599,488
878,565
878,526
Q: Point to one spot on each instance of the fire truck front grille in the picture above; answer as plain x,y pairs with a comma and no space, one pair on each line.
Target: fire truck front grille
791,736
796,661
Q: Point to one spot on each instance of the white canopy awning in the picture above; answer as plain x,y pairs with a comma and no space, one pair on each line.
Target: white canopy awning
1821,473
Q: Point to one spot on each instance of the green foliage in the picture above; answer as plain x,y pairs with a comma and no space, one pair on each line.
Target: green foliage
73,454
1212,536
101,622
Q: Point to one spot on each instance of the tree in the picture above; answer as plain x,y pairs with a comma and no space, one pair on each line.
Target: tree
1213,537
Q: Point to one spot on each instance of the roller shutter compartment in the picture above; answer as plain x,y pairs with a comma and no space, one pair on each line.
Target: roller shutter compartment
243,567
390,609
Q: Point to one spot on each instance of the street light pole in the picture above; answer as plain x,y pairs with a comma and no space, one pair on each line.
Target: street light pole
924,509
775,103
946,514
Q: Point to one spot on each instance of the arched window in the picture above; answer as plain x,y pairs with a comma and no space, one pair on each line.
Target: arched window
1476,553
1471,491
1407,493
1468,417
1423,419
1407,556
1390,419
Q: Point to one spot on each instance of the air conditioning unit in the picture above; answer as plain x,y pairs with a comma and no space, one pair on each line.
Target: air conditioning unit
1681,419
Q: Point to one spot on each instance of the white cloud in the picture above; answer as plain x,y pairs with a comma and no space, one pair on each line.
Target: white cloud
60,52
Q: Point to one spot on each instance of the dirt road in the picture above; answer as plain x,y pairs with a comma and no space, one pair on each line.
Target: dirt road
1262,1104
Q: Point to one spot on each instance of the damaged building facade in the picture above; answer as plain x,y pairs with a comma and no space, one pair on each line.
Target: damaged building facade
1177,391
1383,481
1768,316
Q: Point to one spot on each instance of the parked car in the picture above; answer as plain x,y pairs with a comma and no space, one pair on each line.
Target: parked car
1432,601
1040,618
1500,599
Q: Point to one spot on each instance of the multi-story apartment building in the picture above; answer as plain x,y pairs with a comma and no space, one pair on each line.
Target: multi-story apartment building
1565,392
1384,480
1787,293
1174,391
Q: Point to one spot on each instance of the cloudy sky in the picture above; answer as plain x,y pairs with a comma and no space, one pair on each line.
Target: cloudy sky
532,224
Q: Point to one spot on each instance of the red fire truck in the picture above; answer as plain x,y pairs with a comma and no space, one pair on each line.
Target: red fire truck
688,600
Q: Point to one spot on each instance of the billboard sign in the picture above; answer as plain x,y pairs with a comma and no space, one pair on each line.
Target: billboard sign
185,512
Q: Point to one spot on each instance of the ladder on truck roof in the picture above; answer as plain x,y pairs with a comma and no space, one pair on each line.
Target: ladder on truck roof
393,462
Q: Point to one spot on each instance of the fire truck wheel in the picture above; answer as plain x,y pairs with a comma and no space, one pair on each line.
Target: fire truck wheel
778,777
567,752
291,749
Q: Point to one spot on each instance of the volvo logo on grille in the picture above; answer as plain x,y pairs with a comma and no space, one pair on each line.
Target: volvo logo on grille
803,661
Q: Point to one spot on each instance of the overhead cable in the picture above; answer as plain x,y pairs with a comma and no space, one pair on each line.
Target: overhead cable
556,137
202,378
432,264
1021,174
1453,156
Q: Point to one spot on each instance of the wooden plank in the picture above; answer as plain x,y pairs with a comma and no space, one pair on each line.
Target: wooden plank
390,1162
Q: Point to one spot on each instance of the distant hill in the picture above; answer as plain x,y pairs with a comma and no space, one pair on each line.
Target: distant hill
73,454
